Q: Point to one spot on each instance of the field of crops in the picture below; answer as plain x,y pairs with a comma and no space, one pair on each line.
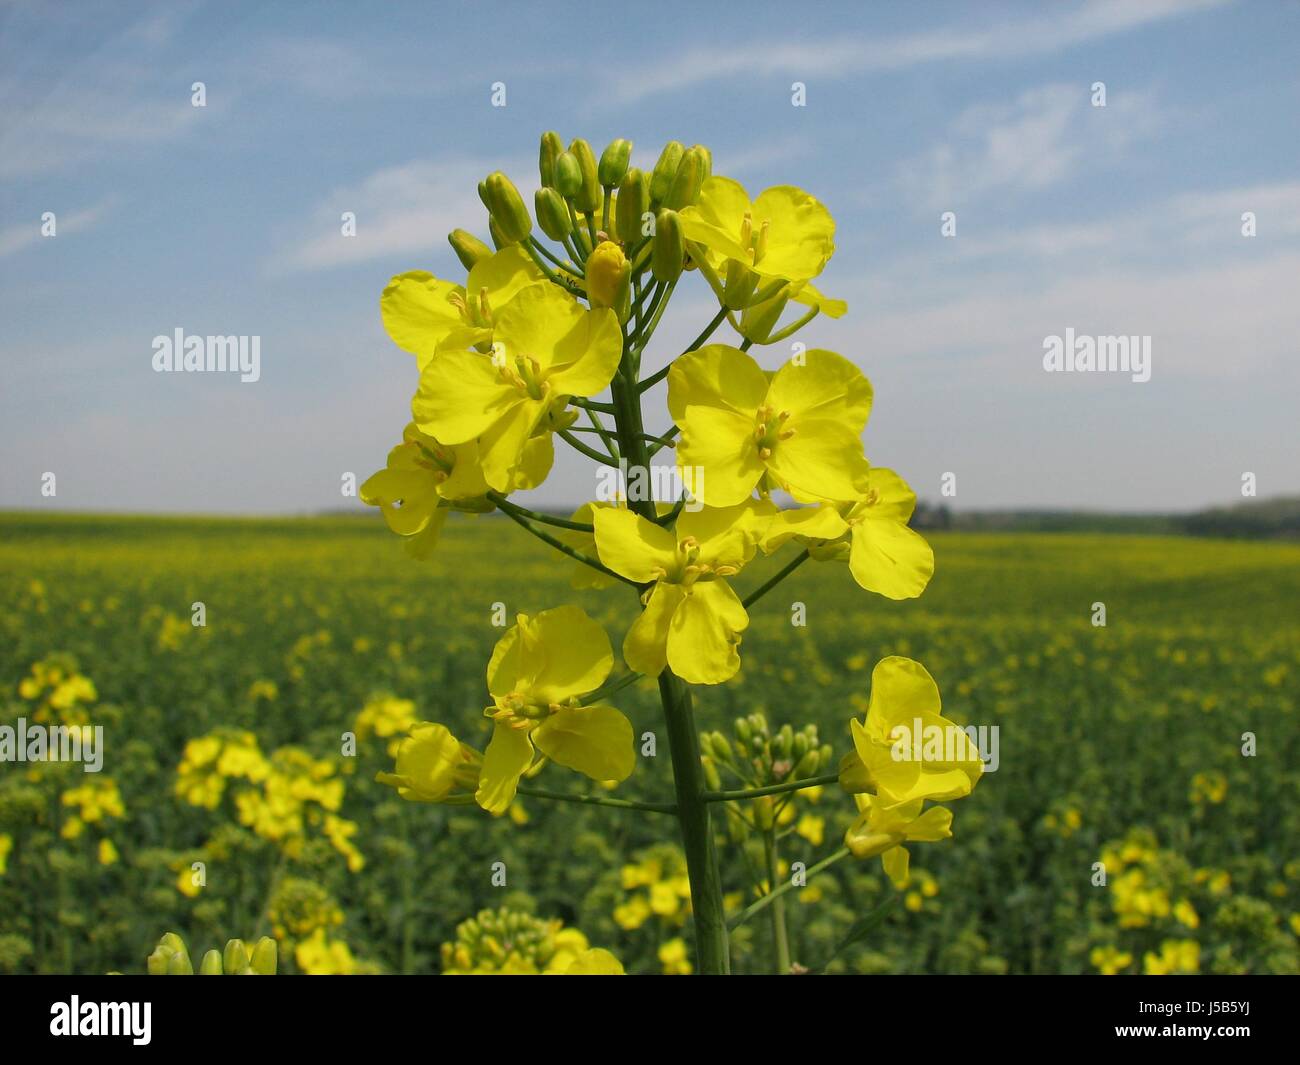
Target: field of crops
1120,744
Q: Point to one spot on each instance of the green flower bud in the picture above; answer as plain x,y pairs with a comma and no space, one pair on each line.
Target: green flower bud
211,964
825,754
588,198
633,203
808,765
685,189
550,150
553,214
157,961
613,163
468,248
711,777
743,731
707,156
265,956
483,194
784,740
758,722
721,748
661,180
507,208
800,746
235,958
668,253
179,964
568,175
498,238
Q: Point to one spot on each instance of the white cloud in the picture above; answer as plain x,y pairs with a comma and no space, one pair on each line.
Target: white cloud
403,209
22,235
838,56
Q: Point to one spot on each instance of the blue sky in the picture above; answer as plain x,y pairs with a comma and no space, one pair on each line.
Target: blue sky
225,220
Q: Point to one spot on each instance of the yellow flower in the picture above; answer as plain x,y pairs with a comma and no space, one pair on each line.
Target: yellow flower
885,555
812,828
785,233
675,958
880,829
1110,960
594,962
546,348
6,846
908,749
537,673
1186,914
318,955
1176,956
798,431
692,619
107,852
421,312
433,766
422,479
632,914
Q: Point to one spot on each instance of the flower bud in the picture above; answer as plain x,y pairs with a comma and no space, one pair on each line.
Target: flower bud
157,961
550,150
507,208
721,748
552,214
707,156
785,740
498,238
633,203
685,189
607,274
807,765
742,730
764,812
211,964
668,253
711,777
613,163
235,958
568,175
588,197
179,964
265,957
468,248
800,746
661,180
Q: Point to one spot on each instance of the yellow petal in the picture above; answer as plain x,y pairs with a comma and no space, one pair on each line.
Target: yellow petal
593,740
576,656
825,386
632,545
418,313
718,455
824,461
509,754
801,233
645,648
715,375
703,637
460,396
895,861
890,559
595,962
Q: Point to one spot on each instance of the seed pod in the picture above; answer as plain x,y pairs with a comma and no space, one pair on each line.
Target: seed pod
552,214
568,175
507,208
613,163
685,189
633,203
550,150
588,197
468,248
668,253
661,180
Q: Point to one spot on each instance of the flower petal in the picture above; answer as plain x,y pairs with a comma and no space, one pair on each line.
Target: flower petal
508,756
631,545
703,638
593,740
645,647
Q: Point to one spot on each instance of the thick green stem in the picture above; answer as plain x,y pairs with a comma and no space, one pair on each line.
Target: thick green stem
711,952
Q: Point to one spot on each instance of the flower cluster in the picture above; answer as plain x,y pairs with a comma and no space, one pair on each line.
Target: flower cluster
509,943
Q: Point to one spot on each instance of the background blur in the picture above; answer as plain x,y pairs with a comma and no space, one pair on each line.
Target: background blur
226,220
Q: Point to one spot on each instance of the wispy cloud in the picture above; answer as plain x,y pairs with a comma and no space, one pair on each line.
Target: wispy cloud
403,209
840,56
15,238
1030,143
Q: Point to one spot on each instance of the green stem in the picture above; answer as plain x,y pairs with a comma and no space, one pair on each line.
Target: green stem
780,935
610,687
546,519
599,800
590,452
564,548
772,789
711,952
762,590
776,893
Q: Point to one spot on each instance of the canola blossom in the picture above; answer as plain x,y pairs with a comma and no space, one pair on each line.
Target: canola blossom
538,347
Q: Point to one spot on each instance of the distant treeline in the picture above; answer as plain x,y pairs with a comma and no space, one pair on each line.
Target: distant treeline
1269,519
